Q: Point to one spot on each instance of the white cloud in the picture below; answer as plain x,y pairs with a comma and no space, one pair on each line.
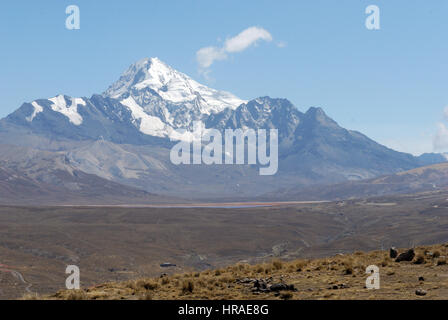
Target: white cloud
246,38
206,56
251,36
440,141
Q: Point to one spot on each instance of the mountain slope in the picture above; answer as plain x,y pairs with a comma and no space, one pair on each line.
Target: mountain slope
422,179
35,177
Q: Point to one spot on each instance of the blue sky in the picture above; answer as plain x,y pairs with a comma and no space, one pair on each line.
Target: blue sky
391,84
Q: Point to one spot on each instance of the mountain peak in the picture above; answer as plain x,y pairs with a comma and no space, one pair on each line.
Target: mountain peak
175,87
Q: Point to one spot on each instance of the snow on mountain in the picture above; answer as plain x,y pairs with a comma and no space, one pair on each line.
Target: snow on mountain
147,124
162,99
70,111
171,85
37,109
150,96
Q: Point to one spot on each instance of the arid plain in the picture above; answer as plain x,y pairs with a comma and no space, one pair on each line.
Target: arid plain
124,243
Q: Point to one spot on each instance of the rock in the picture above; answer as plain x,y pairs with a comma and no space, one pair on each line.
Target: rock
245,280
421,279
406,256
281,286
393,253
420,292
339,286
260,285
419,260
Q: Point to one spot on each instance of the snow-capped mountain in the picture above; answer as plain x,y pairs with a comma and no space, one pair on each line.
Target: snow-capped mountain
162,99
150,96
125,135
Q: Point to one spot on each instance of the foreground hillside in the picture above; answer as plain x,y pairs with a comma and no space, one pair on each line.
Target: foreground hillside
338,277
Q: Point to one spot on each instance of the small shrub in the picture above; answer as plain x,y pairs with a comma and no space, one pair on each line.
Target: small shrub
147,284
436,254
76,295
286,295
385,262
348,268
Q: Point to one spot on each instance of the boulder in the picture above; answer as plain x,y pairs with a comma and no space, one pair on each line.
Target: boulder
281,287
393,253
406,256
420,292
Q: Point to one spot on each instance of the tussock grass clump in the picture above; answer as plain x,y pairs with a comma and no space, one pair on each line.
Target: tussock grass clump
143,284
286,295
277,264
187,287
347,268
386,261
76,295
301,264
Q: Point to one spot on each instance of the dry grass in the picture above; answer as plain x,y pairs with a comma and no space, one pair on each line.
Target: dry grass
338,277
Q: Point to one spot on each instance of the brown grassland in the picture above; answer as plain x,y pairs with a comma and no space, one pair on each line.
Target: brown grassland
337,277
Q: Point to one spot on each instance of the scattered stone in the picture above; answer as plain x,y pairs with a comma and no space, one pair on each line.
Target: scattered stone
406,256
262,285
339,286
281,287
245,280
420,292
393,253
